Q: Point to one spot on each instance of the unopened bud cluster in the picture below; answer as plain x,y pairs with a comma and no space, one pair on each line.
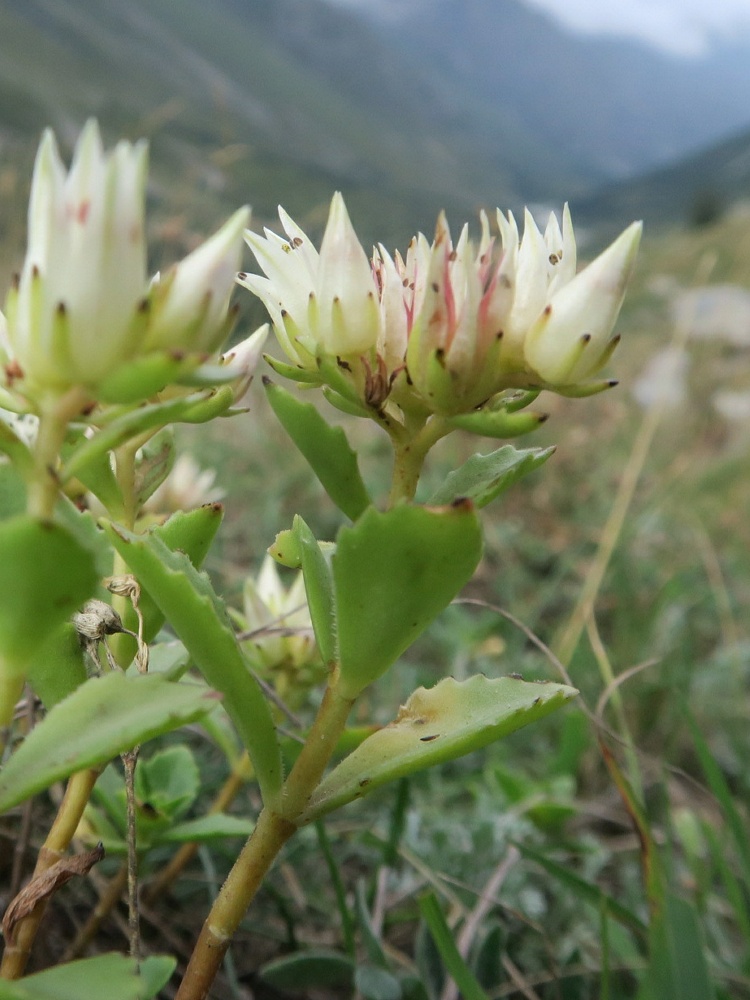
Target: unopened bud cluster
83,313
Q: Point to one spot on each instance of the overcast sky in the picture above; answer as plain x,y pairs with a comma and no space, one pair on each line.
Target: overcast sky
682,26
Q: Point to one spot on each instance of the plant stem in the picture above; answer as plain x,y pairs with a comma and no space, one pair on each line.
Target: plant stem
53,425
409,456
270,834
58,840
11,690
276,824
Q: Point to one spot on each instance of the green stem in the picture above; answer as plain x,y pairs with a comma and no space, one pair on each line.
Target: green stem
124,646
276,824
58,840
53,425
11,690
409,456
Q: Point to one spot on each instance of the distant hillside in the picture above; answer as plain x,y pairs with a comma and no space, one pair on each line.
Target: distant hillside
456,104
262,100
693,191
603,107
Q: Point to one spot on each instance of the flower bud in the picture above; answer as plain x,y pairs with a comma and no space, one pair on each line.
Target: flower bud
189,308
321,303
74,315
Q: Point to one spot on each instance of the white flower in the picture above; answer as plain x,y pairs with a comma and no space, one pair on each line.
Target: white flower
279,619
321,303
186,487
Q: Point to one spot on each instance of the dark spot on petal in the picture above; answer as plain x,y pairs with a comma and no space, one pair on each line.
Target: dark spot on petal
429,739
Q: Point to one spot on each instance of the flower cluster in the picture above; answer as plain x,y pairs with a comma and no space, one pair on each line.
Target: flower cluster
83,313
446,327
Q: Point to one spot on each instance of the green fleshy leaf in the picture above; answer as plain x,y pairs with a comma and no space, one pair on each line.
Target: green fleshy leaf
483,477
215,826
112,976
375,983
498,423
129,423
45,575
188,531
170,659
326,449
12,446
12,492
286,549
58,666
317,968
319,590
153,465
99,478
435,725
393,574
101,719
187,600
169,781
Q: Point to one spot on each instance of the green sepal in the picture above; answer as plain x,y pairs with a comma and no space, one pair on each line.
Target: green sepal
143,377
293,372
46,573
332,373
187,600
583,389
319,590
58,666
326,449
520,400
345,405
497,423
112,976
440,385
436,725
100,719
394,572
483,477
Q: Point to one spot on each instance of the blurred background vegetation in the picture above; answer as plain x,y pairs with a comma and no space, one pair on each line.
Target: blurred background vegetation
462,105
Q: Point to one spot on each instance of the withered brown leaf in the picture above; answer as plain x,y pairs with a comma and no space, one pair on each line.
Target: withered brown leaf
43,885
